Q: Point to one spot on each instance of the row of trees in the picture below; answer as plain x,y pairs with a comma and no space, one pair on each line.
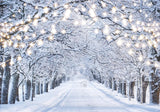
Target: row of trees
43,41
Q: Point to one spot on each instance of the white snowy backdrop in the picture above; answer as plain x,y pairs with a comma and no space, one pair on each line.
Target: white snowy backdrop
46,42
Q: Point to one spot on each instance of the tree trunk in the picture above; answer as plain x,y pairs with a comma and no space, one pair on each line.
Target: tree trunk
14,87
27,89
41,86
0,87
17,94
141,90
129,90
150,90
23,92
113,84
38,88
5,81
46,87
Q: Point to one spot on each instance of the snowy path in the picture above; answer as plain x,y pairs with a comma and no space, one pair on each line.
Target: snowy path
79,96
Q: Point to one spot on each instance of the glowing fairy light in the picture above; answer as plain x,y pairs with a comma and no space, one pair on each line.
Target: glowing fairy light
37,16
134,29
36,7
128,44
114,9
76,23
66,6
104,14
44,19
35,22
15,45
11,62
22,45
148,62
156,64
103,4
53,29
117,32
55,13
109,38
26,27
130,52
137,45
96,31
123,7
43,31
115,19
140,58
46,9
93,6
119,42
63,31
18,37
130,18
34,35
55,4
76,9
32,44
29,52
124,22
3,64
26,37
10,42
67,13
106,30
4,44
40,42
83,9
19,58
50,38
92,13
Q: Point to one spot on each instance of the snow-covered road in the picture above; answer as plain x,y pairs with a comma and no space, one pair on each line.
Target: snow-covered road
79,96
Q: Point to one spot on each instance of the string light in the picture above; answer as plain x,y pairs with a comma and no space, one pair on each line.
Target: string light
96,31
55,13
19,58
76,23
114,9
83,9
106,30
11,62
43,31
35,22
63,31
55,4
93,6
104,14
67,13
40,42
44,19
140,58
92,13
119,42
29,52
3,64
50,38
46,9
130,52
148,62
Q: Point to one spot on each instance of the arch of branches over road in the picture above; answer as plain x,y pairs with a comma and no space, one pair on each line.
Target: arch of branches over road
46,42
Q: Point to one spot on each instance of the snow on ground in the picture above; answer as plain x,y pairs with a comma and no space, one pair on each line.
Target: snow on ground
80,96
